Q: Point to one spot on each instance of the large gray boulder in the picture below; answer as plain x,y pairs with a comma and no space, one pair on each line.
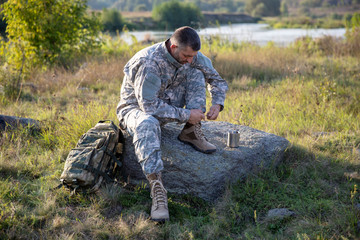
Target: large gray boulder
187,171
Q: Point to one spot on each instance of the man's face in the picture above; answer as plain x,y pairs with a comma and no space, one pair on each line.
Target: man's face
183,54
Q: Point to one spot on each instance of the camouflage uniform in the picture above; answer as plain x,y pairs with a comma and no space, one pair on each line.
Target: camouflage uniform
154,91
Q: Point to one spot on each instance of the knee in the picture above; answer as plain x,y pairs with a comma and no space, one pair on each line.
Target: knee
148,121
148,126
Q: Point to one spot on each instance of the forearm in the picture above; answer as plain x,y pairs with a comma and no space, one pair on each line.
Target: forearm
162,110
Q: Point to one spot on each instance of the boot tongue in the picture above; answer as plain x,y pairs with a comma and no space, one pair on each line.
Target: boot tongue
151,177
158,193
198,131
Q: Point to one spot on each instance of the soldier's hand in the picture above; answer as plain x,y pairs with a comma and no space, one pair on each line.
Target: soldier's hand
213,113
196,115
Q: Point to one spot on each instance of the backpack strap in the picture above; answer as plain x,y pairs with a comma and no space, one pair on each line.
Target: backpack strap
98,171
93,170
114,158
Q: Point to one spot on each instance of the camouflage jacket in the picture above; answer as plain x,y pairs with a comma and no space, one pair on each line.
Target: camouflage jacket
153,70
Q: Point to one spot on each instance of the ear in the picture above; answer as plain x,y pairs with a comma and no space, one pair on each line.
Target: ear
173,46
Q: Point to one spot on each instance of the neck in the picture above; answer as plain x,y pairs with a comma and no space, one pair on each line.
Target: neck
168,44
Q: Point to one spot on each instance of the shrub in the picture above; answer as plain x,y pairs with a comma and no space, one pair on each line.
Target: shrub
353,35
265,7
175,14
47,32
259,10
112,20
140,8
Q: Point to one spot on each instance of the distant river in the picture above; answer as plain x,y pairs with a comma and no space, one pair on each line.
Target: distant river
250,32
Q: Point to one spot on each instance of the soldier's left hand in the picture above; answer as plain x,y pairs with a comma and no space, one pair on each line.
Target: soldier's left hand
213,113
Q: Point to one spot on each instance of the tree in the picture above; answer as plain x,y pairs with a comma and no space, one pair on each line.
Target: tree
284,9
140,8
47,32
175,14
269,7
112,20
260,10
311,3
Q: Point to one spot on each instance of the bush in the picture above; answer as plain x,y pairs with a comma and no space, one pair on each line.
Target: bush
260,10
47,32
311,3
140,8
112,20
265,7
353,35
174,14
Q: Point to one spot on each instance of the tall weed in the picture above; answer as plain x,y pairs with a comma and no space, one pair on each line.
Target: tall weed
236,60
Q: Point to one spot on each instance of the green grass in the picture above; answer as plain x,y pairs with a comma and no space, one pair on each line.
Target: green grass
307,94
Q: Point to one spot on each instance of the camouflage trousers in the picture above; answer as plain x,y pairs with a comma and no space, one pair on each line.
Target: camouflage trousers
146,129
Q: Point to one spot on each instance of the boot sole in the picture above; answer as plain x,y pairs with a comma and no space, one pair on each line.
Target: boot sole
163,220
196,148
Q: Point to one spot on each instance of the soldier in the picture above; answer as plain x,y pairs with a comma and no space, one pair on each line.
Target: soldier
159,82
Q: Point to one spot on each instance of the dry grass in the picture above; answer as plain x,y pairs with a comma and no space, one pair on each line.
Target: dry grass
102,72
292,92
130,15
262,64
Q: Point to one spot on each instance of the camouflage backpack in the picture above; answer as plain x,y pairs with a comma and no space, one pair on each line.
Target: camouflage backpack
95,158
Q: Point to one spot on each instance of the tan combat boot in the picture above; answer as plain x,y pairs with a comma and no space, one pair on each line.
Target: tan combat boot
192,134
159,207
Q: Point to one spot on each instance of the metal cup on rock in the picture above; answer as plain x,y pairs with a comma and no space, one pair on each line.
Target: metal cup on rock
233,138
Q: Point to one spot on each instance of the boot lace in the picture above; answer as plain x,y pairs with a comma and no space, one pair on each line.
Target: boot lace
158,193
198,131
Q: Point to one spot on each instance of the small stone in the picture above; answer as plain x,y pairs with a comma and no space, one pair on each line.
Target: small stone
279,213
84,89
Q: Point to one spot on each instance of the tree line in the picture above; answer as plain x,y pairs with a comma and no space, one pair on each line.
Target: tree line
240,6
149,5
319,3
189,12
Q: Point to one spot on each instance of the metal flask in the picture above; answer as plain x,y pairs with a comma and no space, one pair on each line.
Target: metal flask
233,138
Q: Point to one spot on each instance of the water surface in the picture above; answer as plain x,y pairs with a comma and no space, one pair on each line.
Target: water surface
250,32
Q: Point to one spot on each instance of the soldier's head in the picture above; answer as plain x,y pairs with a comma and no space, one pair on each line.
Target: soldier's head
184,44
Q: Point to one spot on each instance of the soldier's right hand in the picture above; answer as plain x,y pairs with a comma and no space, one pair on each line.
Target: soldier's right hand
196,115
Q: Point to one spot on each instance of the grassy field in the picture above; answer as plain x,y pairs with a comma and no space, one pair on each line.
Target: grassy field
308,93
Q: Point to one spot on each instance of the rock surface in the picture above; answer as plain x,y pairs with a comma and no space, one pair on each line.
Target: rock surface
187,171
11,122
279,214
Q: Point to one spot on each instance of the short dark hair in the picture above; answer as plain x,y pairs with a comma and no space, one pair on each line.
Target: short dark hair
186,36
